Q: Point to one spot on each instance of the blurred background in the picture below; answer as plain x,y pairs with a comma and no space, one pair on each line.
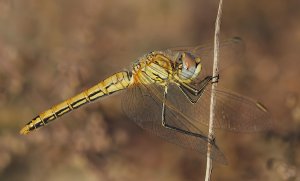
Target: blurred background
51,50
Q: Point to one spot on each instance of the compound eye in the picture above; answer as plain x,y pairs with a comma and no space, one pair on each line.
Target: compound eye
189,66
188,61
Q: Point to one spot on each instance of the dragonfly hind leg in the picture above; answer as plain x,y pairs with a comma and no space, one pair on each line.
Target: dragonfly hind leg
166,125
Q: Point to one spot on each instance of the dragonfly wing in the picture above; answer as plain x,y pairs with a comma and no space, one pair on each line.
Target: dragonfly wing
239,113
233,112
143,104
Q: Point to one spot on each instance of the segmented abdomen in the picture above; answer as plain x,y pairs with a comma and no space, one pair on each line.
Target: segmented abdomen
114,83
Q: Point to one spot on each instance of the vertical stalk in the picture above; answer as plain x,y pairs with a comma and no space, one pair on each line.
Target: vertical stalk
209,166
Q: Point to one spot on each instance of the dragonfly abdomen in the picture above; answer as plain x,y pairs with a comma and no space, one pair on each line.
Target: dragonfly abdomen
114,83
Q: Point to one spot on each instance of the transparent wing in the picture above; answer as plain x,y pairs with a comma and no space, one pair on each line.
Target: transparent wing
233,112
239,113
143,104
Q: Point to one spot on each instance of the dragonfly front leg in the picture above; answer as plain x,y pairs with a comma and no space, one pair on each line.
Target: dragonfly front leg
193,94
166,125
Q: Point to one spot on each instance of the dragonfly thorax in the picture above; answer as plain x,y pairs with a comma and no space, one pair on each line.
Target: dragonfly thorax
155,67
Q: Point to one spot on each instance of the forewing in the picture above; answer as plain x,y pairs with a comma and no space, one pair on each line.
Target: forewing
233,112
240,113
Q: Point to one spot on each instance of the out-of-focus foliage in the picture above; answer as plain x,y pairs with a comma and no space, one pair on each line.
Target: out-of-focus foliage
49,50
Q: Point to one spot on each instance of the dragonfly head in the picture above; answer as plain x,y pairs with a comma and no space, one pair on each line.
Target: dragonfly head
187,67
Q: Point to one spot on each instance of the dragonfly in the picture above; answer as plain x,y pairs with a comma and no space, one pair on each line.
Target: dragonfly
167,93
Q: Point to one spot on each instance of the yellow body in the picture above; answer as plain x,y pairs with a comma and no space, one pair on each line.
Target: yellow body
110,85
156,67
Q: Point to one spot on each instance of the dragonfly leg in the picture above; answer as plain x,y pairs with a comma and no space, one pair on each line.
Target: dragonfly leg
189,96
202,84
193,94
166,125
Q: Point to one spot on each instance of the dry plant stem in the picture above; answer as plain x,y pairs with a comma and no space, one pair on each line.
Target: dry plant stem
214,85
